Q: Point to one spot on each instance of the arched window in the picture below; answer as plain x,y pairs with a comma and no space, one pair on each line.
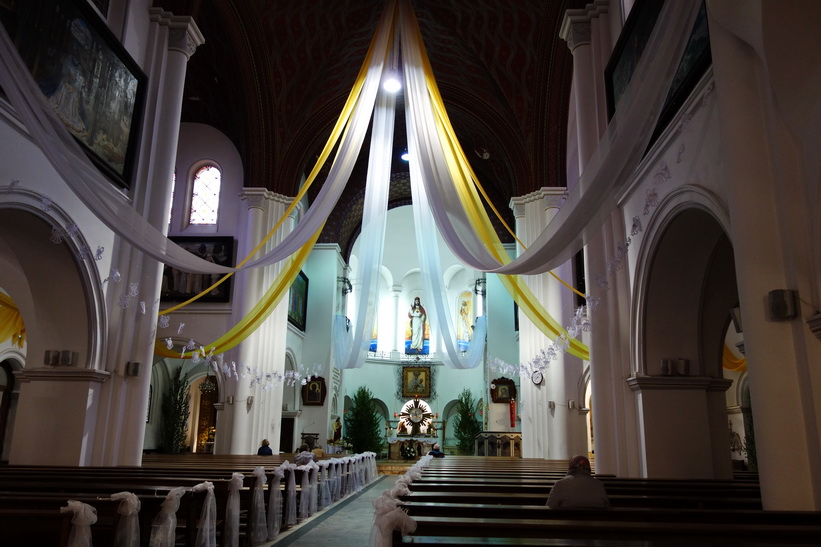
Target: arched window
205,195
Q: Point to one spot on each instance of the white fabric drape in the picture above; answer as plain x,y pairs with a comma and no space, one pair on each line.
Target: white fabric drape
165,523
207,526
431,273
84,516
325,500
607,173
352,346
232,511
115,210
290,494
387,518
259,528
305,491
275,503
127,533
314,501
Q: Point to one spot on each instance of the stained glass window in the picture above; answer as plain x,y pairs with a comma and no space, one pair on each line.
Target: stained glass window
205,196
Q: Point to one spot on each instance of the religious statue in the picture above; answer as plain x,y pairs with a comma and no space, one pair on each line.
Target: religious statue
337,431
464,322
418,317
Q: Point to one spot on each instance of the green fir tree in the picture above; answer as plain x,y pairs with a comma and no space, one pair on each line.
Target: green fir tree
362,423
466,425
175,412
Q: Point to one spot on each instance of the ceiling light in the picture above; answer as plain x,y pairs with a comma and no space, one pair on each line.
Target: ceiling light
391,83
405,156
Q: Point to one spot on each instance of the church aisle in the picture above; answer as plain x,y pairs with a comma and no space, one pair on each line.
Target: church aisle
346,524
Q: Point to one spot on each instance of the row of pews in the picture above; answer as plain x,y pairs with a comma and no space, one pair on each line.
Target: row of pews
479,501
172,500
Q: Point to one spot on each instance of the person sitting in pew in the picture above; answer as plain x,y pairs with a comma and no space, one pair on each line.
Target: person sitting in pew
304,456
436,452
578,489
265,449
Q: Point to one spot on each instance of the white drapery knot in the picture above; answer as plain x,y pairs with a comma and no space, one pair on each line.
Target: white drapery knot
165,523
207,527
259,527
232,511
127,533
84,516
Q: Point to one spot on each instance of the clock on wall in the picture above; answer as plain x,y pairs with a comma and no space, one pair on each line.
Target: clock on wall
537,377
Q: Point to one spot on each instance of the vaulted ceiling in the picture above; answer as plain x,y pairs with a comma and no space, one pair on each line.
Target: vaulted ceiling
273,76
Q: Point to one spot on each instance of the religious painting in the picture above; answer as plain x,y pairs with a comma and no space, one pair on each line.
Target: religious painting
464,325
298,301
417,329
416,382
89,79
179,286
502,390
374,337
314,391
630,47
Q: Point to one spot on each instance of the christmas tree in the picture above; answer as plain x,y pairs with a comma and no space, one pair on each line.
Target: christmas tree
466,424
362,423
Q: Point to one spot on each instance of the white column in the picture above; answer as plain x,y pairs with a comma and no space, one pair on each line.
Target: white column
614,425
398,330
249,285
124,399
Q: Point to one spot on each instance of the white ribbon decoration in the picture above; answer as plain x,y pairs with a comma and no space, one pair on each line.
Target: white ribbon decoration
127,533
207,526
275,503
259,528
232,511
84,516
165,523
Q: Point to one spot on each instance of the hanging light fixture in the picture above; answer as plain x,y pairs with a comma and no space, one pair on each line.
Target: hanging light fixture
208,385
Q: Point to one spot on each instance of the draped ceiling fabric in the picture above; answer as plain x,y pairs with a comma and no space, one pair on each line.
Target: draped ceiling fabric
443,175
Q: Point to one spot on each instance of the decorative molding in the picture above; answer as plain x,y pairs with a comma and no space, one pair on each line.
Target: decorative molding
705,383
184,35
62,374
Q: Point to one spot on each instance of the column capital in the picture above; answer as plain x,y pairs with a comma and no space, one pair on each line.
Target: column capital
575,29
184,35
254,197
575,33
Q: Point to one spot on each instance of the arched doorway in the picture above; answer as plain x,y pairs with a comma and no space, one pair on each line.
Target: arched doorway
7,396
688,291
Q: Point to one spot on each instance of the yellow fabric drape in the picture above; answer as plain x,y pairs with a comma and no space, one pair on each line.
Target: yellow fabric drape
260,311
333,139
733,363
466,182
248,324
11,322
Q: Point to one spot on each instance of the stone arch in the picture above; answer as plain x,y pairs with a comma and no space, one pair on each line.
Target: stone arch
62,312
685,288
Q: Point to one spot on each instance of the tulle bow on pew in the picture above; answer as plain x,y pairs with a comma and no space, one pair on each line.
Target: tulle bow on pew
84,516
127,533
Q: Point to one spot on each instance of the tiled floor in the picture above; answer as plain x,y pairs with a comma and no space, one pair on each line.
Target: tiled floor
346,524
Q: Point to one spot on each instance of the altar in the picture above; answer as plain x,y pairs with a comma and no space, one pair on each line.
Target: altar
420,445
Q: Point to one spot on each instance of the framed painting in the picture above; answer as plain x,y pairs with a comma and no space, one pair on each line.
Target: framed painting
630,48
89,79
314,391
416,382
179,286
298,301
502,390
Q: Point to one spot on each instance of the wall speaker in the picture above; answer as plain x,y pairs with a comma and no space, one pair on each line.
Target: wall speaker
783,305
132,368
68,357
